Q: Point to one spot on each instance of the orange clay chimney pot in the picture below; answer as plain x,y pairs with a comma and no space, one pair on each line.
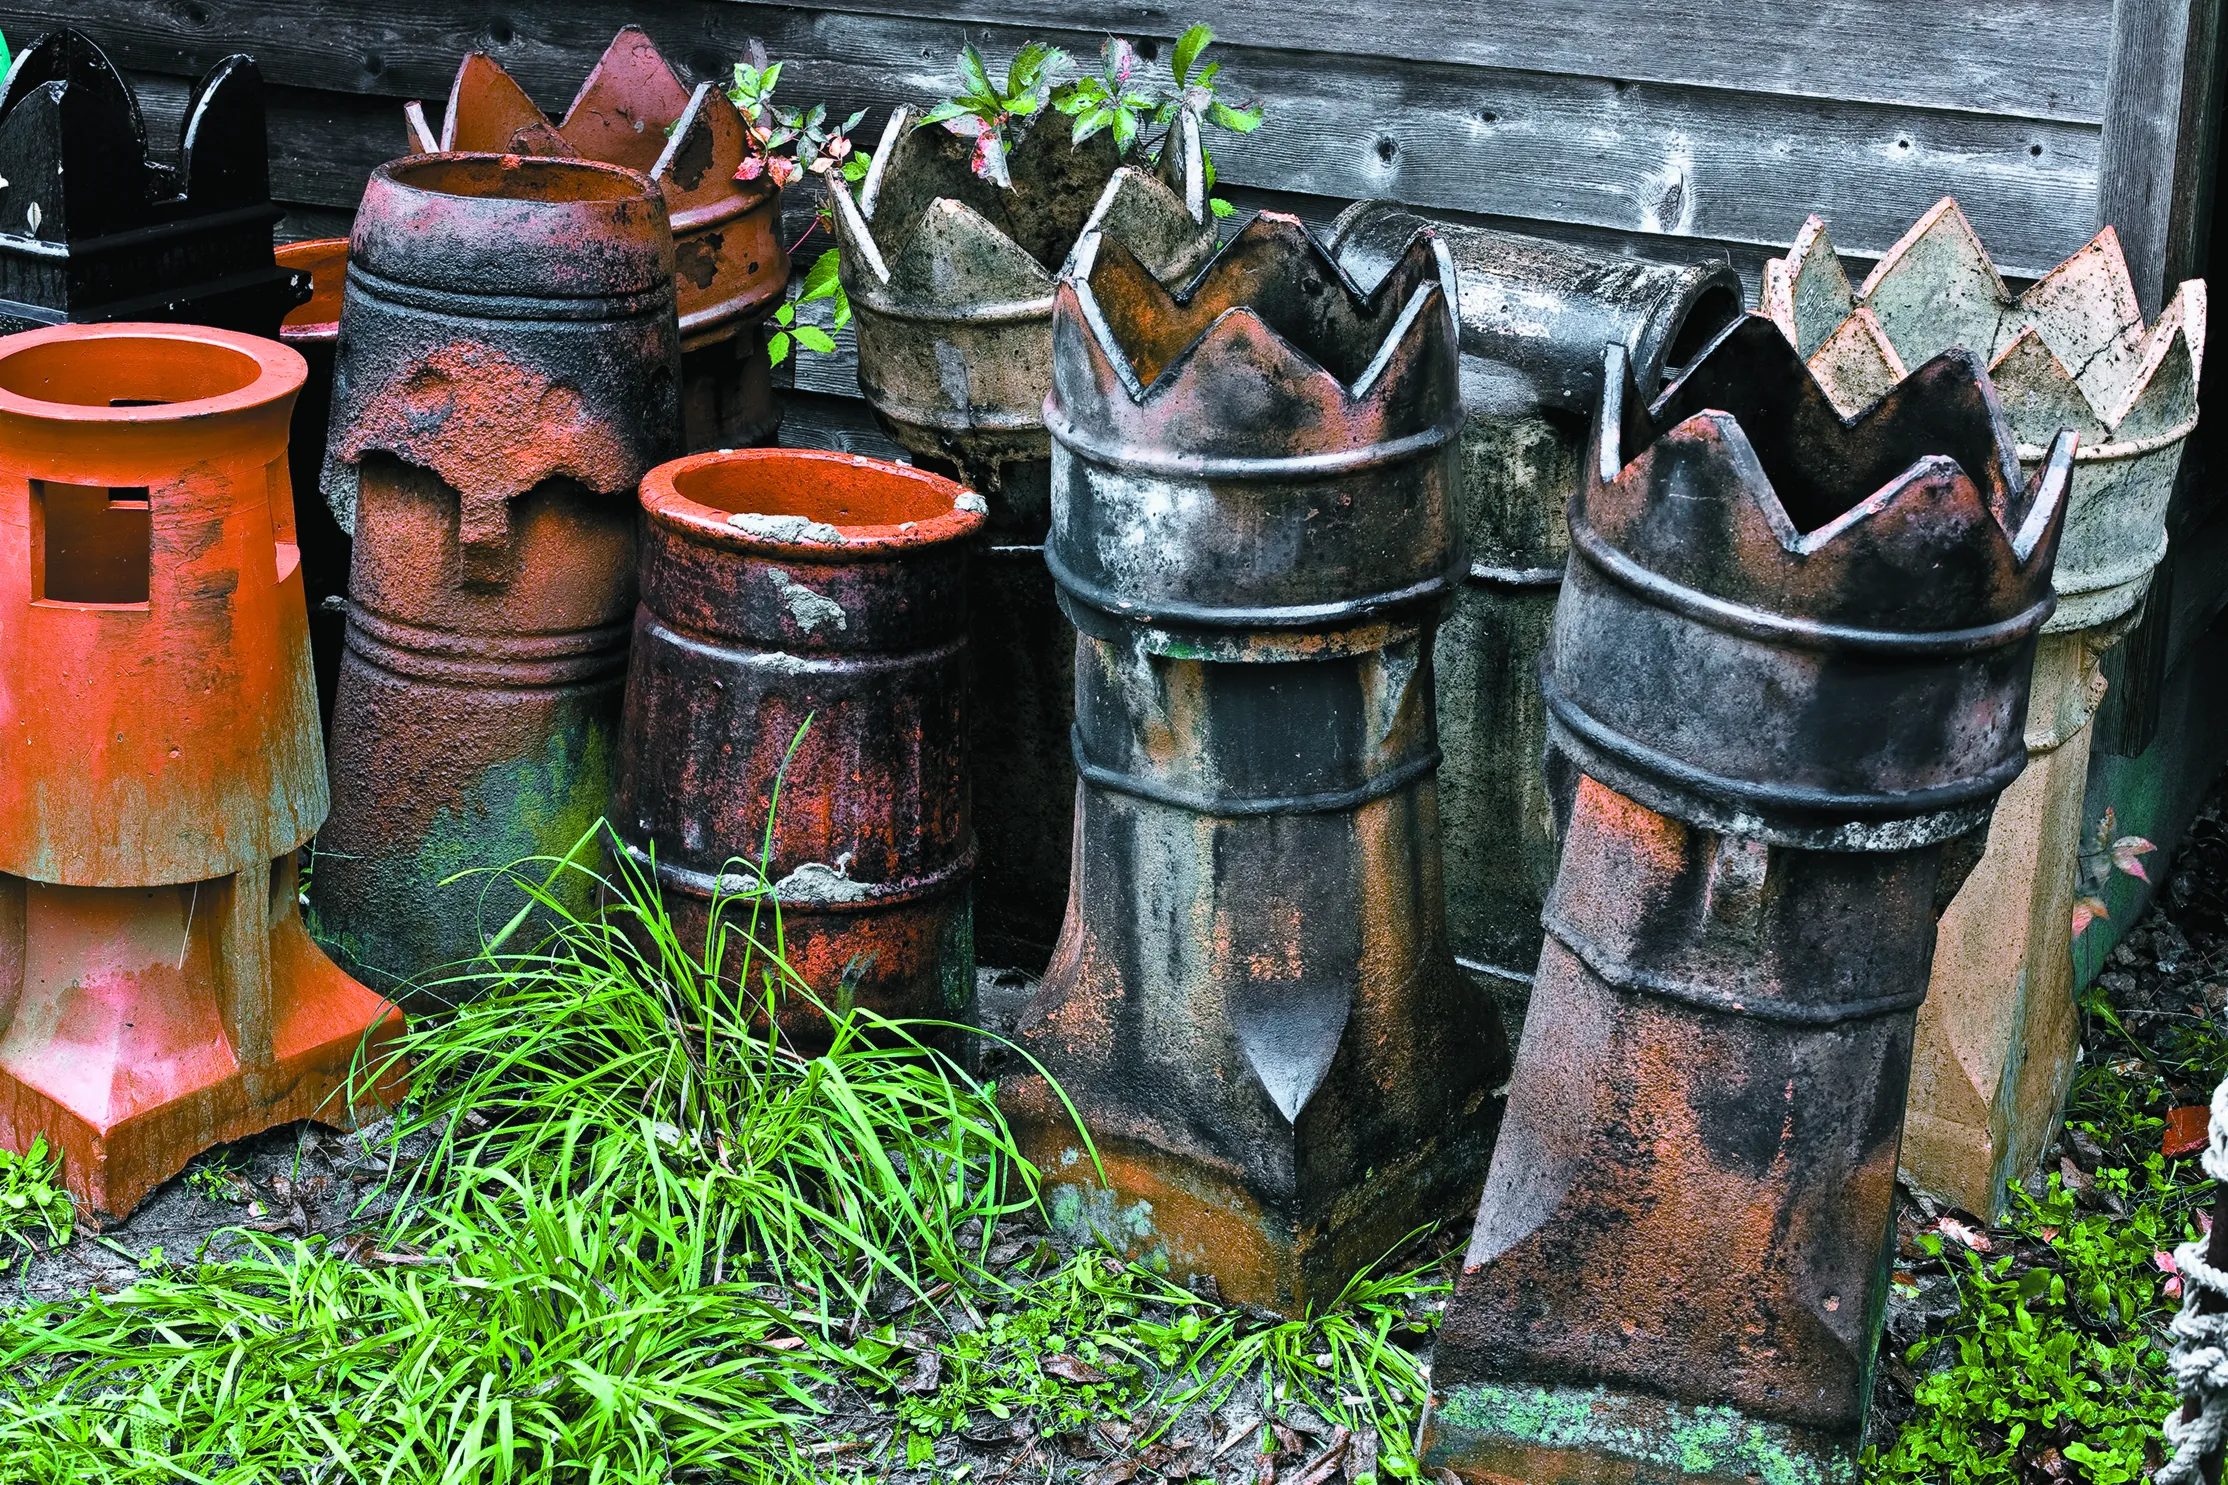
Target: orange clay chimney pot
159,761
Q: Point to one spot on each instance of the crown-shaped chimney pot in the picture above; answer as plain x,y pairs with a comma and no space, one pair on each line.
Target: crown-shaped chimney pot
1322,421
1739,535
1788,679
731,266
1254,528
2070,351
1999,1035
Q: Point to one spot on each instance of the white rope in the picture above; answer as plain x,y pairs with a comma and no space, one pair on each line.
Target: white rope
2199,1360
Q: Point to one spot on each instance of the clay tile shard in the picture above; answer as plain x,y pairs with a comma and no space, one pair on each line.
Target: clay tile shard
625,104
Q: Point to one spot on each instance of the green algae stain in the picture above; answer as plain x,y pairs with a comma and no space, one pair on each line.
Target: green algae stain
529,807
1096,1214
1718,1442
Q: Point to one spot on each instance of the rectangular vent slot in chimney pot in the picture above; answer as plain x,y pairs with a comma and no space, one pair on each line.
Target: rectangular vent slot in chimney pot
96,542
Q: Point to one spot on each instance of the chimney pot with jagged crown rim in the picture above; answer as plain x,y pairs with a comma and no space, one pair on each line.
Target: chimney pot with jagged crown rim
158,994
1788,675
1999,1035
950,280
92,229
1534,315
1252,1006
731,267
508,372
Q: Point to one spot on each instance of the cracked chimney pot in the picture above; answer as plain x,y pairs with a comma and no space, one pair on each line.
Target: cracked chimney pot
1253,1006
731,268
1534,316
507,374
1788,676
158,994
780,586
950,282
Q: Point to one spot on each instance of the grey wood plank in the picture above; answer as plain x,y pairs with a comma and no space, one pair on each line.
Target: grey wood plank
2032,58
1743,167
2142,138
2028,58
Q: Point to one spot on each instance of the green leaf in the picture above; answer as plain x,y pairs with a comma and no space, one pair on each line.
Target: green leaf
1220,207
974,78
1238,121
820,279
1097,120
1125,130
785,315
813,338
949,109
1188,47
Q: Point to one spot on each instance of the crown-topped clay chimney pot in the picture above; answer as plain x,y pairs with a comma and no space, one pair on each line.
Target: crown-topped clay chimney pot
1787,680
1253,1007
950,280
1534,315
731,267
1999,1034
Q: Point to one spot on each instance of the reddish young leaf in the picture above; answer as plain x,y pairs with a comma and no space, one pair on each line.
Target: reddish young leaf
2087,910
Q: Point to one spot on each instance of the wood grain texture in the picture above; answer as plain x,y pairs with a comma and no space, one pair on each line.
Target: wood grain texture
1591,152
2025,58
2142,136
2031,58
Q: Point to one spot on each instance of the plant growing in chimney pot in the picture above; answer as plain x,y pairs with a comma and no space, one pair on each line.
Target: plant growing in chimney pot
1121,98
786,145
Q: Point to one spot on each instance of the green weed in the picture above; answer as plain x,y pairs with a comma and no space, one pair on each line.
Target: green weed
32,1200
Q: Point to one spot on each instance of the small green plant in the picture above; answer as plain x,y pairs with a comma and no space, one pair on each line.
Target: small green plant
1120,99
32,1199
1354,1363
1141,112
214,1177
994,114
789,143
822,281
813,147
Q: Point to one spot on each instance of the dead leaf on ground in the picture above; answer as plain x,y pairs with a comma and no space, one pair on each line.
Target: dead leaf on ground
928,1371
363,1248
1071,1368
